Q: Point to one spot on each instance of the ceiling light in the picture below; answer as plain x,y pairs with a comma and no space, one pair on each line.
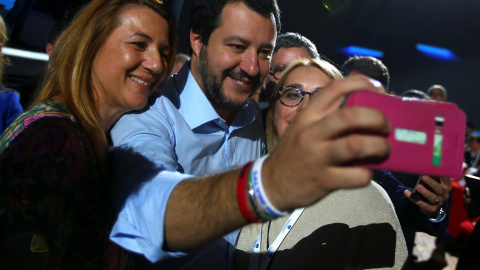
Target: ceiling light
436,52
25,54
354,50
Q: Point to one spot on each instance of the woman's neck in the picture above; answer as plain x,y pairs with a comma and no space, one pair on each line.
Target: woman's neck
108,116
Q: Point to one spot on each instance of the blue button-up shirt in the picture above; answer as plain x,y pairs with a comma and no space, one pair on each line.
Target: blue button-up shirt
178,136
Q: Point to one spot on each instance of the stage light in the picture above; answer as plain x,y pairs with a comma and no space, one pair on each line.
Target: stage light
354,50
436,52
25,54
7,4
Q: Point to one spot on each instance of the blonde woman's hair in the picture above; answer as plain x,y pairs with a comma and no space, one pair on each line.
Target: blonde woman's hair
69,71
271,131
3,41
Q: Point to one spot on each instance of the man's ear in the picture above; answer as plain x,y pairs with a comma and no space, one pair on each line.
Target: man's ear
48,49
195,43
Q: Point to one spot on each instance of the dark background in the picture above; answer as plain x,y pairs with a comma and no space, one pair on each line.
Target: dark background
391,26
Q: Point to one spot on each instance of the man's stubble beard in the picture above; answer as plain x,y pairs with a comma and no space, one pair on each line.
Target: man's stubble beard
214,90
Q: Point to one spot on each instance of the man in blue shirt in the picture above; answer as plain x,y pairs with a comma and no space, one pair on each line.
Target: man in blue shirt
204,125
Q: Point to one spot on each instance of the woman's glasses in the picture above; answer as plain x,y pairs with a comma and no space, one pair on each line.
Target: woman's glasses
277,71
291,96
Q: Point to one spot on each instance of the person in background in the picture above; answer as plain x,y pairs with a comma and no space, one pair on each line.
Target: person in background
414,215
429,215
376,69
29,87
469,128
472,155
414,93
288,47
437,92
55,32
369,66
180,60
357,228
469,257
10,106
16,18
55,210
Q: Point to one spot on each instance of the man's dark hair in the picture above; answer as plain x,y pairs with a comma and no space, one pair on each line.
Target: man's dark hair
368,66
414,93
295,40
206,14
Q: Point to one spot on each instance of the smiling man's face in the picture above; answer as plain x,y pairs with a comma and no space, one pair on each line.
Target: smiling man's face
237,58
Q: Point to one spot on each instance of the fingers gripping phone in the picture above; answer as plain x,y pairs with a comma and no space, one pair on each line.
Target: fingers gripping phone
473,183
427,137
417,195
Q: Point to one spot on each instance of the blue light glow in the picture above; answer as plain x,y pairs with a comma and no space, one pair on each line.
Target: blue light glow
354,50
8,4
436,52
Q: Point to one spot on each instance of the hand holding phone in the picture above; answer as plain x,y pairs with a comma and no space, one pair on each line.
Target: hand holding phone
417,195
473,184
430,200
427,137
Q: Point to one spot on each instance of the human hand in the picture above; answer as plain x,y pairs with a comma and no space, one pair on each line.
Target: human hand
467,197
433,199
316,153
471,206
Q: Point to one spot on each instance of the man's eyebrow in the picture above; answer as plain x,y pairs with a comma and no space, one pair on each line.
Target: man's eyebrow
236,38
246,41
267,46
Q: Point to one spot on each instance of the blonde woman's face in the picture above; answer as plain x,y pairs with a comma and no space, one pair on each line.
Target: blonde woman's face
307,79
132,62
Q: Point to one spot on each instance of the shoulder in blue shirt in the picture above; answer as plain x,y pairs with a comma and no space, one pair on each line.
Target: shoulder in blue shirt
178,136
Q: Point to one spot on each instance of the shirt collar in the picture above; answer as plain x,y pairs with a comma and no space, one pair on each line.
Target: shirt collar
197,110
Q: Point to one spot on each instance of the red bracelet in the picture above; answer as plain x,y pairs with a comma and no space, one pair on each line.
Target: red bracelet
242,193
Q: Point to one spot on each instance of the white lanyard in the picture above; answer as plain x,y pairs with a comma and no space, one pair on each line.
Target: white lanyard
475,162
273,248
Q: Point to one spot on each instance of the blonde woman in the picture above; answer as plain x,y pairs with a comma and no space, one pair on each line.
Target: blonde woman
10,106
55,210
347,229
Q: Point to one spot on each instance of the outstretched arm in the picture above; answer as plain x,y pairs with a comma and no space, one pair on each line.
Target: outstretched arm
313,158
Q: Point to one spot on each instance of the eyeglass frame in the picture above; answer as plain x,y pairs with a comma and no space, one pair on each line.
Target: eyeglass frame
302,93
272,70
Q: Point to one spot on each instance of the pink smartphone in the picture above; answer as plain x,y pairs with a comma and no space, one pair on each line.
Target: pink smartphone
427,137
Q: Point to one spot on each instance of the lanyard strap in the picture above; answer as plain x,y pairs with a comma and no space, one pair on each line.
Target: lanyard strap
475,162
274,247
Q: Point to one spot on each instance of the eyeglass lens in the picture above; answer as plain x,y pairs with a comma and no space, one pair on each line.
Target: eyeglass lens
277,71
293,97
